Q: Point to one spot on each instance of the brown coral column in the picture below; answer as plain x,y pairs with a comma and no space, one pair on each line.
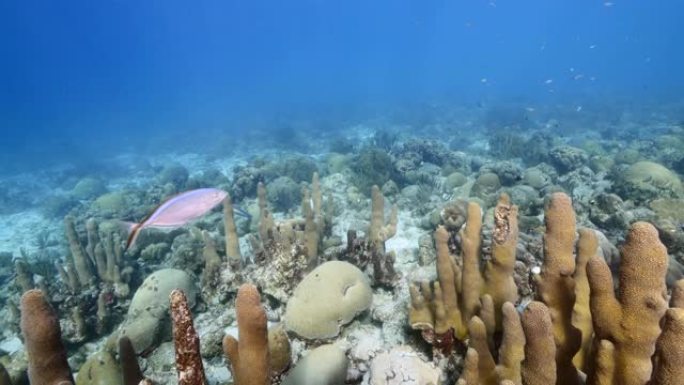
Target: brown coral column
556,286
232,241
4,376
512,349
581,315
539,366
478,341
498,272
471,241
130,370
668,362
82,263
632,320
186,341
471,373
42,338
248,357
447,311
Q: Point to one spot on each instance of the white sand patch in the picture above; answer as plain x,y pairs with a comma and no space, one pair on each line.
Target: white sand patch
11,345
193,162
405,242
20,230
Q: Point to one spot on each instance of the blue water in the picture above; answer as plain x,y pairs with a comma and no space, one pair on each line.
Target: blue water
81,79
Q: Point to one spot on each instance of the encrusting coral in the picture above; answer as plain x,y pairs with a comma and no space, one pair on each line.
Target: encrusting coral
186,342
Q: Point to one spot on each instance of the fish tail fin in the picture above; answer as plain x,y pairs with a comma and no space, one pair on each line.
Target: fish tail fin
133,232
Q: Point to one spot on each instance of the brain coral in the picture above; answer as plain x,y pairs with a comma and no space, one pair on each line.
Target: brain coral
150,306
567,158
644,181
328,297
325,365
100,369
485,184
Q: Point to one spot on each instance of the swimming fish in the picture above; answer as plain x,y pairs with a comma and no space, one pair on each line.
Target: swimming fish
179,210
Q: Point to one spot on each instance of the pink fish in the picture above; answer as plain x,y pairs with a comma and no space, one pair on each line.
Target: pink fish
178,210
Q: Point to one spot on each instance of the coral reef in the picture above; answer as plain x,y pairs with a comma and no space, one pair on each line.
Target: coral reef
373,166
495,264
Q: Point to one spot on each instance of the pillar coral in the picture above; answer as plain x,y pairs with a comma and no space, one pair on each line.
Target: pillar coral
40,328
249,356
498,272
556,286
232,241
630,321
464,290
587,247
668,361
519,362
539,366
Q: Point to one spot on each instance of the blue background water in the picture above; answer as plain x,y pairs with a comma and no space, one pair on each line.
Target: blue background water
79,79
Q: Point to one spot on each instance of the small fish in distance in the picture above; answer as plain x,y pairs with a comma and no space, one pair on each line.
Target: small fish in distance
179,210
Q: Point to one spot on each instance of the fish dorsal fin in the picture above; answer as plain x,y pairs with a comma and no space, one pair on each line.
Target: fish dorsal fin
157,207
151,212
